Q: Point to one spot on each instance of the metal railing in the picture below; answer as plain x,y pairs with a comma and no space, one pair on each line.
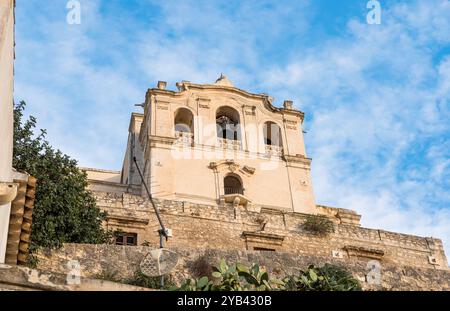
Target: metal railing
234,190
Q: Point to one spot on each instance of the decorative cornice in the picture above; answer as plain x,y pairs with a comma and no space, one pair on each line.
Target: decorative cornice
127,219
217,165
297,159
94,182
266,99
359,251
249,170
98,170
161,139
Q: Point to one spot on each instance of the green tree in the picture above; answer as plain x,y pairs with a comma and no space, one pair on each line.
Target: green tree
65,211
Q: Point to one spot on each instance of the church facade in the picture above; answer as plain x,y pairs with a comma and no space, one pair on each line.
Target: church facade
216,144
228,170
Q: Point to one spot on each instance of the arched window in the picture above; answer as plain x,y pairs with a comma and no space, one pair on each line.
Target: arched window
272,134
184,127
227,122
184,121
233,185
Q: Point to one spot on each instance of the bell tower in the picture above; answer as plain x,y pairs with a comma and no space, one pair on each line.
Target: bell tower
217,144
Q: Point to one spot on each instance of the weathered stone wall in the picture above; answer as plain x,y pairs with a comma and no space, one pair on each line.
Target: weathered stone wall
229,228
125,261
17,278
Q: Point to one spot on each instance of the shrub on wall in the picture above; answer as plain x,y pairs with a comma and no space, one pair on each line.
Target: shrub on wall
201,266
318,224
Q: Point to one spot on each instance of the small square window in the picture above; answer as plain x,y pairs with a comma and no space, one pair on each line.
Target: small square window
125,238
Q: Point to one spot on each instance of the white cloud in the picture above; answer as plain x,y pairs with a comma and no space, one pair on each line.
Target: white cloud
85,107
379,131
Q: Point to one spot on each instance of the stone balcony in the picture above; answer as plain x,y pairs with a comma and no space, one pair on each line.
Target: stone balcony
229,144
184,138
272,150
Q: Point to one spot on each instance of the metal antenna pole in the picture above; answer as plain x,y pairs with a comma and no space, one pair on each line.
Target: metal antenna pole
162,231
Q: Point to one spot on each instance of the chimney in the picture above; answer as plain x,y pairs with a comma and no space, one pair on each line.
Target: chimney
162,85
288,104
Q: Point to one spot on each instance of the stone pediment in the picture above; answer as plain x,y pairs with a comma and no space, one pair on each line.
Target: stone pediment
263,241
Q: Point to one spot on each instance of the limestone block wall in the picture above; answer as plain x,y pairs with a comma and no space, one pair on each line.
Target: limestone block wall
17,278
228,228
124,260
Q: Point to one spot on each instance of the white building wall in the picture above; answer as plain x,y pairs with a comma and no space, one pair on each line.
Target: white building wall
6,110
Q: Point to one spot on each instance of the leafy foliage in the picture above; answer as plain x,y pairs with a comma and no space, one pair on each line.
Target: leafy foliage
64,210
200,284
238,277
318,224
326,278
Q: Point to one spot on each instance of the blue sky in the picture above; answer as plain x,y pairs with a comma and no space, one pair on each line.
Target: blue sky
376,97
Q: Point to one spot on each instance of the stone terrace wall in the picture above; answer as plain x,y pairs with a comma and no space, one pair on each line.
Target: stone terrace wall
229,228
19,278
125,261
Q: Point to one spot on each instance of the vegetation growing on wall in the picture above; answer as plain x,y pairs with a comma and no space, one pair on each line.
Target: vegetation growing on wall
64,212
142,280
201,266
238,277
325,278
318,224
108,275
235,277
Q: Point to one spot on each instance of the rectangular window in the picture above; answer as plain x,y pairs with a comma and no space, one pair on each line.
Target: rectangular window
125,238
